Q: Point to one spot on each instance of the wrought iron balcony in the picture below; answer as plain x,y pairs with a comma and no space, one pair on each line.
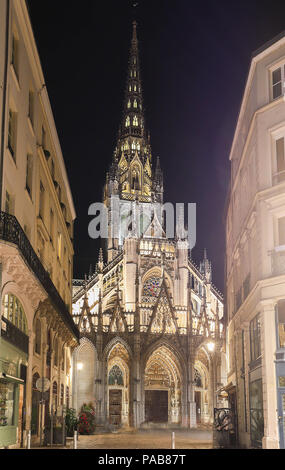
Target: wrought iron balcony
278,262
13,335
11,231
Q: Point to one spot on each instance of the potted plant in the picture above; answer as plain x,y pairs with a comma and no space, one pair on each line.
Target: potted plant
70,422
86,419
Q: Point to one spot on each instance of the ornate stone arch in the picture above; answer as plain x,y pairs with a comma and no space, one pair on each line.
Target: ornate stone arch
109,346
167,344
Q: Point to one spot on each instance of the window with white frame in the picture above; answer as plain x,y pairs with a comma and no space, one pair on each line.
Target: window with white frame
278,82
29,174
42,201
280,160
31,107
9,203
12,132
15,54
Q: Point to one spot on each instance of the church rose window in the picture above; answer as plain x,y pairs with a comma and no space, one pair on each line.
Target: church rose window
116,376
151,288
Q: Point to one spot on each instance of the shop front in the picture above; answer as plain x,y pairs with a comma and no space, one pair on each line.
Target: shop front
13,366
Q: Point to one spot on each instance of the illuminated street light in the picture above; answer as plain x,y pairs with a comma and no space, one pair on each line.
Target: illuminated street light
211,346
79,366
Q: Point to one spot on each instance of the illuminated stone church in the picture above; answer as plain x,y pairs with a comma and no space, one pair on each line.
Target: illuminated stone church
151,321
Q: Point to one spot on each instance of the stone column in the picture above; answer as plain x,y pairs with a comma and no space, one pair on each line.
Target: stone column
192,403
135,387
100,394
43,374
29,386
268,349
211,390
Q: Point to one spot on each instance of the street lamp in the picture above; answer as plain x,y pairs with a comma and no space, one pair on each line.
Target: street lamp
79,366
211,346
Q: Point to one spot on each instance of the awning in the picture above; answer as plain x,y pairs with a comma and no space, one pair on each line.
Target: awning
11,378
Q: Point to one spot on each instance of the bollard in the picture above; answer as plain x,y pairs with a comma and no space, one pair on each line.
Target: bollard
29,440
173,441
75,440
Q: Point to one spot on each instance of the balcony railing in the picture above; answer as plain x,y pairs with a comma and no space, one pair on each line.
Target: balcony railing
13,335
278,262
11,231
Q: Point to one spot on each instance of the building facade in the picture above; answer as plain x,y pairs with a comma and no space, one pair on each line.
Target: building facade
255,254
150,321
36,238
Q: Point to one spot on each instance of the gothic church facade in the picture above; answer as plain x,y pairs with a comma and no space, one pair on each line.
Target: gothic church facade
150,320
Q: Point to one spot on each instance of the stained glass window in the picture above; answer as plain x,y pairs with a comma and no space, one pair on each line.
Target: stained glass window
116,376
151,289
197,378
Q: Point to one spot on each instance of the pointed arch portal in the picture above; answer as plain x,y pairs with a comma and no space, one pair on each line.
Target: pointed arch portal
162,385
118,380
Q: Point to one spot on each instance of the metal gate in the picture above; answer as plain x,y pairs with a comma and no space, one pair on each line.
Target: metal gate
224,435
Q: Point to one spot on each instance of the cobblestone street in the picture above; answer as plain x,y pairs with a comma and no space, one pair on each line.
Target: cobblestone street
145,439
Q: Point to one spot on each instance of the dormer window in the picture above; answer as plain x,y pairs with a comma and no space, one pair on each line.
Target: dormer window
278,82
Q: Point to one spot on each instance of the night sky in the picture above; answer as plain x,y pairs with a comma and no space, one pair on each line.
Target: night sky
195,58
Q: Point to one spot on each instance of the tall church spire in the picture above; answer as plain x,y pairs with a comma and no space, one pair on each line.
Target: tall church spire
132,163
131,177
133,117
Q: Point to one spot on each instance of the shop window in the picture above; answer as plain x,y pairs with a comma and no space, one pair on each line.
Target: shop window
255,343
7,399
14,312
256,413
281,323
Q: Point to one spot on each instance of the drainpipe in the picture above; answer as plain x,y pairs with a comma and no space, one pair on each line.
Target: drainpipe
5,79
